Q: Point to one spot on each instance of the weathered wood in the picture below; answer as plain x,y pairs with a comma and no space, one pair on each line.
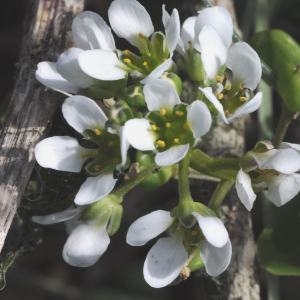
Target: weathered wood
31,107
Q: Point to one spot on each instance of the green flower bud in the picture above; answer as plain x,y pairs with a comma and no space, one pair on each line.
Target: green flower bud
194,66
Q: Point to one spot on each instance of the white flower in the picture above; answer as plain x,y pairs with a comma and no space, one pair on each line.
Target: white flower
274,174
87,240
210,33
64,153
168,256
171,128
245,66
73,70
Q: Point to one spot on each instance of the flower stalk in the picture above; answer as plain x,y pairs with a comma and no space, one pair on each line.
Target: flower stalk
219,194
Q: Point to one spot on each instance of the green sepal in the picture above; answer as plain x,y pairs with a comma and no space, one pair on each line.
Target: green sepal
282,53
156,179
196,262
115,219
194,65
106,89
175,80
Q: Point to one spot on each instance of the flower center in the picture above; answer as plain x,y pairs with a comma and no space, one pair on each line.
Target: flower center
108,155
153,52
231,95
171,127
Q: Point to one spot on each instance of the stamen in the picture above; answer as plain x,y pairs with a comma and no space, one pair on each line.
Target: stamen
185,273
160,144
220,96
179,113
127,52
227,113
154,127
127,61
176,140
163,111
97,131
145,64
243,98
168,125
186,126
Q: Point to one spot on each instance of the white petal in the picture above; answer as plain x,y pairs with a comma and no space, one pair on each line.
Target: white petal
219,18
208,93
249,107
188,31
48,75
172,28
213,51
124,146
172,155
244,189
245,65
285,161
199,118
90,31
160,93
85,245
148,227
95,188
216,260
213,230
139,134
286,145
83,113
283,188
128,19
67,65
101,65
57,217
158,71
164,262
61,153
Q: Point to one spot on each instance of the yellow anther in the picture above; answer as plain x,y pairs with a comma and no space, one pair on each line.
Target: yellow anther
127,60
160,144
179,113
185,273
168,125
220,96
97,131
154,127
127,52
227,113
176,140
186,126
219,78
163,111
243,98
145,64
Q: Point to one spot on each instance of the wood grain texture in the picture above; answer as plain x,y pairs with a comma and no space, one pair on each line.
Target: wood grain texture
31,106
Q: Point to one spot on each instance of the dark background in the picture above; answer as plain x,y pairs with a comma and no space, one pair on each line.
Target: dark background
41,274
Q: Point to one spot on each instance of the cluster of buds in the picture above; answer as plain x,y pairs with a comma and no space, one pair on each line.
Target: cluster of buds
136,104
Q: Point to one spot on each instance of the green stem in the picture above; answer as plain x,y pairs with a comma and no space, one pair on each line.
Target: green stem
183,180
285,120
222,168
219,194
127,186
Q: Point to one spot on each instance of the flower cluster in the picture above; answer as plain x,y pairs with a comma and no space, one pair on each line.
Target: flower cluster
138,103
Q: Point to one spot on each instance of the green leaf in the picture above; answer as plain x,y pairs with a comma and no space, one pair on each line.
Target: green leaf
282,53
277,261
279,246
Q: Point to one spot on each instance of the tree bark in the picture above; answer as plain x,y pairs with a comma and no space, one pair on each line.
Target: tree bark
239,282
31,107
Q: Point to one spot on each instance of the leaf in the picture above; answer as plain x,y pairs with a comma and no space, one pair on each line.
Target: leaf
279,246
282,53
274,260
